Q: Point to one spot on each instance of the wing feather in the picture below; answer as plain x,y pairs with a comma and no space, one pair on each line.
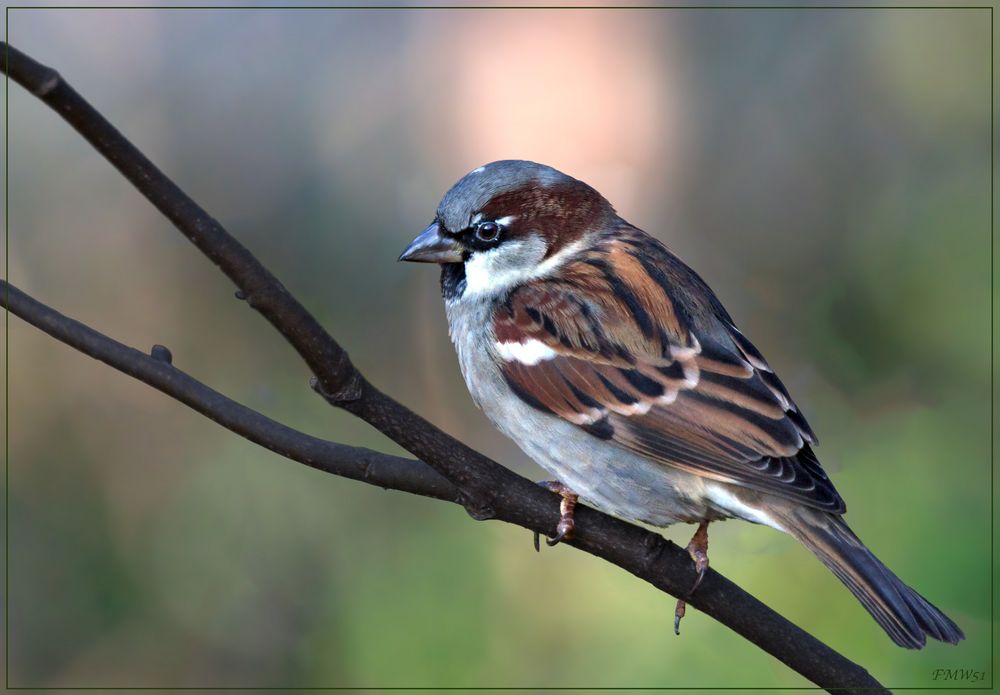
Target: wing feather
638,351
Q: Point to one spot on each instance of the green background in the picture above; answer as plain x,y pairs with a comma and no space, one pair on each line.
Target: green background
826,171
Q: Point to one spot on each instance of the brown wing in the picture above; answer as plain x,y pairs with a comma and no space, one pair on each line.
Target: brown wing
634,348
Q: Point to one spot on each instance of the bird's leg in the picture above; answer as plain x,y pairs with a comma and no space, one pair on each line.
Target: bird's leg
698,550
564,530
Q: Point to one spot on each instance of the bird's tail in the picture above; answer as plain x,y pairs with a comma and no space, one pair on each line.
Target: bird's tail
903,613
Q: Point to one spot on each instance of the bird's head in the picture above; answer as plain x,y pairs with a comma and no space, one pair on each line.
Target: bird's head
505,223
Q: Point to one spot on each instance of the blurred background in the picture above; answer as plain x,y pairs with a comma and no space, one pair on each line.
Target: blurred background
826,171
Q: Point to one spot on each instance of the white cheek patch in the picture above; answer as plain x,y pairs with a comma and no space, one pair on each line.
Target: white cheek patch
530,352
725,500
482,274
510,263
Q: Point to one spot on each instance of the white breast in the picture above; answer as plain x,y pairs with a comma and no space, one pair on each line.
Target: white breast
604,474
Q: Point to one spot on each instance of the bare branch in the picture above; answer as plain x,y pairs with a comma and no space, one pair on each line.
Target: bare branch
357,463
485,488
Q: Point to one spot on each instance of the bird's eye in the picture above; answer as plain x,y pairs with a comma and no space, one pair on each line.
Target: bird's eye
487,231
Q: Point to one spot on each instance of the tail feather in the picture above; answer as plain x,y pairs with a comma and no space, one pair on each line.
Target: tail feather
905,615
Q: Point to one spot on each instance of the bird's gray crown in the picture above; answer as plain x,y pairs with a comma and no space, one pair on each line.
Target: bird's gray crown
474,190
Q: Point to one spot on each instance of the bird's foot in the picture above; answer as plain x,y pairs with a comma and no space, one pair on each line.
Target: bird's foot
698,550
564,530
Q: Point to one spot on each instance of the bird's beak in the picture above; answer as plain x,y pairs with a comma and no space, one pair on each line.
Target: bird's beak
431,246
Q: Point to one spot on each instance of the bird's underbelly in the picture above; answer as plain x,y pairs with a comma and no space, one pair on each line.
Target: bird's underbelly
604,474
613,479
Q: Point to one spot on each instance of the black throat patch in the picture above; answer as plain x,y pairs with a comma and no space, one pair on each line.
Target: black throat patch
452,280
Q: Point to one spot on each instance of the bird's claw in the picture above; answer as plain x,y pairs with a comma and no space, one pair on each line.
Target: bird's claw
700,565
698,550
678,614
564,531
567,506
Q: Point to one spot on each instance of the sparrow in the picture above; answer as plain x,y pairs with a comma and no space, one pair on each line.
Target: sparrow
615,367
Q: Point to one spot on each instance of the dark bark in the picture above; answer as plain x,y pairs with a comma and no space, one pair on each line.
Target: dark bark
156,370
450,469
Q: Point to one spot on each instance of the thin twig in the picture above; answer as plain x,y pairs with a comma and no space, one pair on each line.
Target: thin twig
383,470
484,487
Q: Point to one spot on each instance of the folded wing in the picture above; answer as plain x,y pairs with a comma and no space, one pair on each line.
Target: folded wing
634,348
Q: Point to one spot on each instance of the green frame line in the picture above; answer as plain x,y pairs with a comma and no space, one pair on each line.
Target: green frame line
500,7
6,216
